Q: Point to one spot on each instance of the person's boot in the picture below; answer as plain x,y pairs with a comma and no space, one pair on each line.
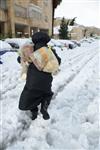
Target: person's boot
44,106
34,113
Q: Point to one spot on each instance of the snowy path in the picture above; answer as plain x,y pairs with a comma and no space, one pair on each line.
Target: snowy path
74,108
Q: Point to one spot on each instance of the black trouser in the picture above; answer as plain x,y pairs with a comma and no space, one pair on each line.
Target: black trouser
31,98
45,101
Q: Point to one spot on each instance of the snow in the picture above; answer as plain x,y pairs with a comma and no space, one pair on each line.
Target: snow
19,41
61,43
74,110
56,29
4,46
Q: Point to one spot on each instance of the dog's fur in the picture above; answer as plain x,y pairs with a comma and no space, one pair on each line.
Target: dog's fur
43,59
24,53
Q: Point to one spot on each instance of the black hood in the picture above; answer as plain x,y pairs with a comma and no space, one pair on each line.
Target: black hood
40,39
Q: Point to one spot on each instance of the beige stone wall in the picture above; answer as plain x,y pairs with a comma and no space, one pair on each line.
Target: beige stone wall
77,33
90,31
23,3
3,16
80,32
47,14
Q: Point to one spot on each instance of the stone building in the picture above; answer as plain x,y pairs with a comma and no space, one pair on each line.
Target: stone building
24,17
77,33
92,31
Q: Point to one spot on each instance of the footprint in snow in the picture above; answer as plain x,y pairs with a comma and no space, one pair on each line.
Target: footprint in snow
49,139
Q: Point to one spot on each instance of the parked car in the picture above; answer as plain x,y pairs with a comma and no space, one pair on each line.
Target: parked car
76,43
14,45
4,47
68,44
62,43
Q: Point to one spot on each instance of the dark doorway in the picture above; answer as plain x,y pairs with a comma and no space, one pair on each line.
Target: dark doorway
1,28
21,30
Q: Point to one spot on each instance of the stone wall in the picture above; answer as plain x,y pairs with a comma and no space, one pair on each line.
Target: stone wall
77,33
92,31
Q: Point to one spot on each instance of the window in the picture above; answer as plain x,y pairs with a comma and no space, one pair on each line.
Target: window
3,4
34,12
46,2
20,11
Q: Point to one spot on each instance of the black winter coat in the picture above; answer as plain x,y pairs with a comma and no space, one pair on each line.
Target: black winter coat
37,83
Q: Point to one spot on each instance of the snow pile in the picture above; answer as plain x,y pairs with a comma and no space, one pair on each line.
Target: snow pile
74,110
4,46
56,30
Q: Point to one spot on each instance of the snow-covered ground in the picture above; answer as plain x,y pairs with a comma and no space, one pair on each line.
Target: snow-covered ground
74,110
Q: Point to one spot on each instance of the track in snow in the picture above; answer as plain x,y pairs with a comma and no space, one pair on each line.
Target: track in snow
79,61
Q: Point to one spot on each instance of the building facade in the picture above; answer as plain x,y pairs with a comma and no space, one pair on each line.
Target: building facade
20,18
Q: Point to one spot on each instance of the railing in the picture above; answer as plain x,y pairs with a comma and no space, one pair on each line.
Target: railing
34,12
20,11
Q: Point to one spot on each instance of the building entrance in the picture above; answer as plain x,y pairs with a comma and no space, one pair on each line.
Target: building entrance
1,28
21,30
